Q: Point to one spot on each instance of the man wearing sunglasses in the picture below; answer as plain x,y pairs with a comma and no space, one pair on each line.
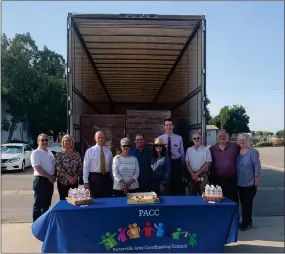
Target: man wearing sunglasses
198,160
42,161
143,155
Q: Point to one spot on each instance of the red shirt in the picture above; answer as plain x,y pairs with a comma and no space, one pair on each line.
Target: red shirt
224,161
148,231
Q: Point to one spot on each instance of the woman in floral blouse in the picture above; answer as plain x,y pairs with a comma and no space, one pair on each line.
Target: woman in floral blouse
68,167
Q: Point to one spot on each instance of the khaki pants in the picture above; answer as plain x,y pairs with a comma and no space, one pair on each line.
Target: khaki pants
197,187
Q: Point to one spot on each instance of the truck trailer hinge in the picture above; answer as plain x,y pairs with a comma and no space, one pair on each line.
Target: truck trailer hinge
204,71
68,70
68,24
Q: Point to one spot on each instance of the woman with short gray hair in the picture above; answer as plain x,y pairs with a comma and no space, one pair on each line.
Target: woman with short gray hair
248,171
125,171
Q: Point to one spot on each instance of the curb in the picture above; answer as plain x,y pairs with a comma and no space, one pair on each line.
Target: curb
21,192
273,167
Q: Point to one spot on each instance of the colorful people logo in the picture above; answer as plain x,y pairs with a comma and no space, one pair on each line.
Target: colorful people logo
160,230
176,235
134,231
148,229
122,236
192,240
108,240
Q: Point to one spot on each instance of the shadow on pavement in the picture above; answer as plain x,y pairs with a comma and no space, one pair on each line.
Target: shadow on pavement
271,178
28,171
246,248
267,235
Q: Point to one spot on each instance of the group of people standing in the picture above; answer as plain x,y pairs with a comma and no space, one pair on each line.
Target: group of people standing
165,169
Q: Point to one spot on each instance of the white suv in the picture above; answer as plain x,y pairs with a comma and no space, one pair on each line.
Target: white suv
15,156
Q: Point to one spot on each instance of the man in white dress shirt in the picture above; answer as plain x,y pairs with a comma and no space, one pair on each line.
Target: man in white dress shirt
198,160
97,168
42,161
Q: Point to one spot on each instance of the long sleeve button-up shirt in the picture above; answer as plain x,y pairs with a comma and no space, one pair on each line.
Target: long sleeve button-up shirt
143,156
92,161
248,166
177,148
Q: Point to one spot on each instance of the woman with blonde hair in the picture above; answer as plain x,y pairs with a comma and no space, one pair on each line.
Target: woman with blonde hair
248,171
125,171
68,166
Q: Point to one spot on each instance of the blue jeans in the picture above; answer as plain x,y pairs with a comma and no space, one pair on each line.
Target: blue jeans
43,191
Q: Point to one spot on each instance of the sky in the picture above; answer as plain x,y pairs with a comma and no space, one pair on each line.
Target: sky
245,46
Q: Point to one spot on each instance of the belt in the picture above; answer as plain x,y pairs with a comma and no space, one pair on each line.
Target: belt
176,159
41,177
97,173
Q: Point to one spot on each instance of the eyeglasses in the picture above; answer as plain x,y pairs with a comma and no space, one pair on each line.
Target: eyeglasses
125,146
197,138
44,140
158,146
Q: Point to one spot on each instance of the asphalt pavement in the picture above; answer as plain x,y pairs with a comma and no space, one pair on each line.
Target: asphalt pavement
266,236
272,157
17,194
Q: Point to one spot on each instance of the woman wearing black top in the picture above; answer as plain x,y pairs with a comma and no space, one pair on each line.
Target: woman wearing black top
160,168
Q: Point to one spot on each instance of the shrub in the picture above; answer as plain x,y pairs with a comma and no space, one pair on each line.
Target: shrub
277,141
260,144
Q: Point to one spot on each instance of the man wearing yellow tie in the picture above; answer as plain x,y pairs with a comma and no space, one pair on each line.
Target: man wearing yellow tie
97,168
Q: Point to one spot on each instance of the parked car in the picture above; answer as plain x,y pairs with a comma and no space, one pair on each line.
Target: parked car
15,156
54,147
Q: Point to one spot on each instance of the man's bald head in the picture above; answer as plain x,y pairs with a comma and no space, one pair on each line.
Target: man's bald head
100,138
222,137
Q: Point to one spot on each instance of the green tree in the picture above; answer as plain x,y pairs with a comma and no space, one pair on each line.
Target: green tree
50,115
208,115
19,79
33,86
280,134
259,133
233,119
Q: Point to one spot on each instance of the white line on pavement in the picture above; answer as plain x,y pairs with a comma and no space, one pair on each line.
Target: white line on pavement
273,167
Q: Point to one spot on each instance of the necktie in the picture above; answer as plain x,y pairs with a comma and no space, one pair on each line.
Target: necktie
102,162
169,148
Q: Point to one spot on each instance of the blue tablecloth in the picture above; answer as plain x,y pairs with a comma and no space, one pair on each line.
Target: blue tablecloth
177,224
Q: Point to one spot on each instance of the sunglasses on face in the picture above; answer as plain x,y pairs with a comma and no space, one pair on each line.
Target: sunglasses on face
158,146
44,140
197,138
124,146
